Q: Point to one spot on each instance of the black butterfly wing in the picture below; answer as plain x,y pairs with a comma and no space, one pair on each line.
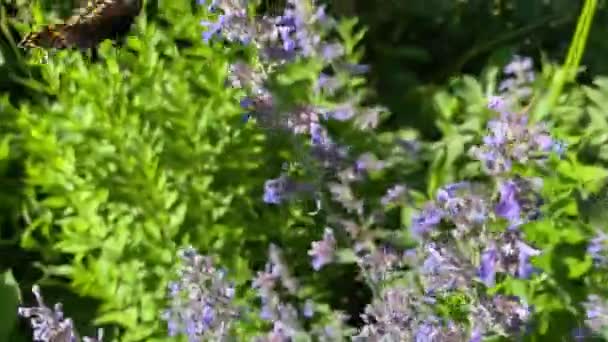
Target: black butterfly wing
49,37
100,20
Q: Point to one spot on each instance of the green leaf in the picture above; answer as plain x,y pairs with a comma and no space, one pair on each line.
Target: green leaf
10,297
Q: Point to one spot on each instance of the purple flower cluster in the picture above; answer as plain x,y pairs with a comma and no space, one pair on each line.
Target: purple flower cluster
201,300
598,249
597,313
300,32
457,248
511,140
50,325
322,252
519,75
286,319
283,188
519,200
395,316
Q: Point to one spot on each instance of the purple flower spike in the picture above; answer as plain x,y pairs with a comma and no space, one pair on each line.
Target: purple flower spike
426,220
525,268
322,252
508,206
487,268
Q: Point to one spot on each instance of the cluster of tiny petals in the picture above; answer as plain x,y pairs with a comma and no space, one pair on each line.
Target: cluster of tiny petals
200,300
399,315
598,249
50,325
283,188
234,25
447,268
280,38
454,203
509,254
516,87
519,200
286,319
322,252
511,139
394,195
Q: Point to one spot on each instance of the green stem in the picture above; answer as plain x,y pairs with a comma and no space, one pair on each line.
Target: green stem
567,72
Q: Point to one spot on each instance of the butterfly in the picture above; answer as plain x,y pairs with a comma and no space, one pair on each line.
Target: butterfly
99,20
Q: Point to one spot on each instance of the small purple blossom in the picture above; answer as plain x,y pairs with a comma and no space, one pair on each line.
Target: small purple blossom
394,195
525,269
460,205
50,324
309,309
368,162
275,190
487,268
342,112
512,139
426,220
597,249
519,76
322,252
597,313
476,335
519,200
200,300
508,207
278,190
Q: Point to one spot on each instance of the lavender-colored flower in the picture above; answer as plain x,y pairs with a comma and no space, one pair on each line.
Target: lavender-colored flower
525,269
305,120
275,190
511,312
511,139
519,200
327,83
597,313
390,316
343,112
460,205
427,332
234,25
322,252
508,206
519,76
285,318
443,270
281,189
378,263
309,309
426,220
368,162
487,268
476,335
50,325
597,249
200,300
394,194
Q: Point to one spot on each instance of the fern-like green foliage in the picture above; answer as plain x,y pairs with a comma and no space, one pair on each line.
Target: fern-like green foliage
131,157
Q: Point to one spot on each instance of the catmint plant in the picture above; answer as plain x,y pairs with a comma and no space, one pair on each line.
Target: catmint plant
519,76
298,36
50,325
273,285
200,300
